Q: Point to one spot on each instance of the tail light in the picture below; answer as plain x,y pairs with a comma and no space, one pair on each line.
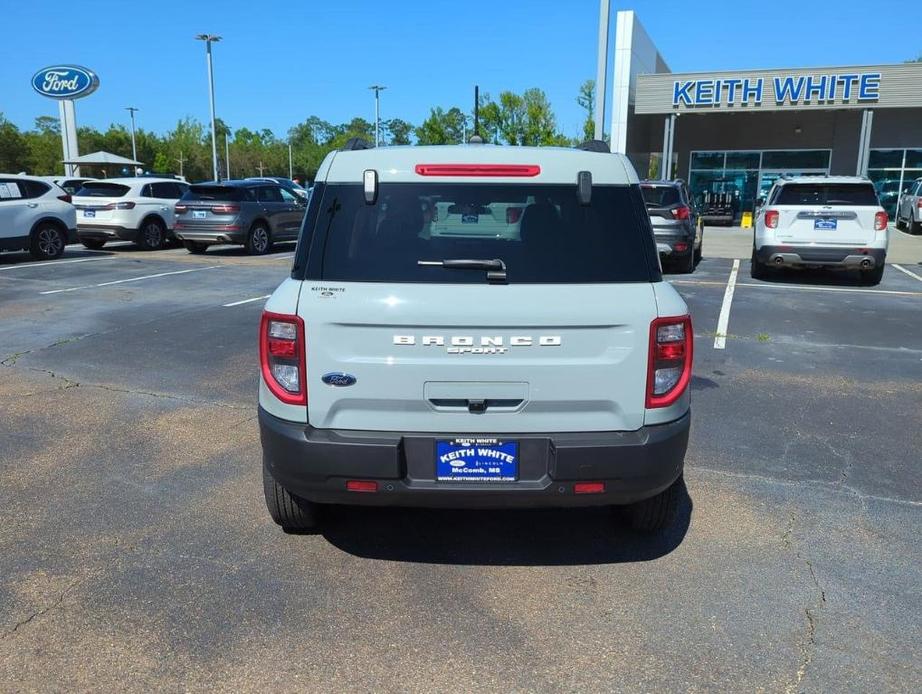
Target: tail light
282,357
225,209
771,219
513,214
65,198
681,213
181,209
880,221
119,206
919,203
670,361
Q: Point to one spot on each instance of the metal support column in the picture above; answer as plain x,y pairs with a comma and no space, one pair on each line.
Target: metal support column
663,170
602,71
668,162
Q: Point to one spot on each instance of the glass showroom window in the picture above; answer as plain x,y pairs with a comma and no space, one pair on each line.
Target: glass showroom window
892,171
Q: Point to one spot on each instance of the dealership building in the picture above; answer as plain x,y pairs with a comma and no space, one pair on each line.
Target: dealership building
738,131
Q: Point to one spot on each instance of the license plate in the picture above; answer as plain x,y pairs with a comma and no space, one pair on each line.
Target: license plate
826,223
89,213
199,214
470,219
476,460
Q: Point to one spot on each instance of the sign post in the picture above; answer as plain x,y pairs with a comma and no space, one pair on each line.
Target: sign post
65,83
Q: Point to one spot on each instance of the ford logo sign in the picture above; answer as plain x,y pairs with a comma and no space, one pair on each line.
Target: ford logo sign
338,379
65,82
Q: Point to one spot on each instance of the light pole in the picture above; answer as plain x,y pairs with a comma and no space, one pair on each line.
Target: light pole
134,148
289,160
378,89
226,157
209,39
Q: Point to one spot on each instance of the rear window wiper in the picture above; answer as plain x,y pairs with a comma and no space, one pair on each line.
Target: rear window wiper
496,268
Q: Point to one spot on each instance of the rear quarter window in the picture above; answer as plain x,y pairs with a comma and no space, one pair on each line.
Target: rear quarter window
541,233
833,194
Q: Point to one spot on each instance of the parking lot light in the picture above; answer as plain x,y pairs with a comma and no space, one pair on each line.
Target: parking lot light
209,39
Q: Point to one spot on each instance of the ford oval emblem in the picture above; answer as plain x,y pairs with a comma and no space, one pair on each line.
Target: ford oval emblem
65,82
338,379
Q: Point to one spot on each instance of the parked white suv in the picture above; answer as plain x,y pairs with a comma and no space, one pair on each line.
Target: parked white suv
821,221
128,209
475,326
36,216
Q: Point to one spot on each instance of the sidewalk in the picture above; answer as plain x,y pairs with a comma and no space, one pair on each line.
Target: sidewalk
736,242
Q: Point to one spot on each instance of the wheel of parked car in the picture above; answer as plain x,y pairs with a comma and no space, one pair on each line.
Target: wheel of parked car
687,264
47,242
151,234
658,512
259,241
196,247
898,223
93,244
872,277
699,251
757,271
289,511
913,227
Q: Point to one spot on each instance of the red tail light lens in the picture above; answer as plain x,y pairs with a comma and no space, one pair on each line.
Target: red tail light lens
65,198
513,214
487,170
119,206
361,486
225,209
670,361
588,487
181,209
880,221
681,213
282,357
771,219
919,203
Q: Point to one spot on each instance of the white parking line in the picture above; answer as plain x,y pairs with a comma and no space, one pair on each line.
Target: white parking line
247,301
798,287
130,279
908,272
720,342
55,262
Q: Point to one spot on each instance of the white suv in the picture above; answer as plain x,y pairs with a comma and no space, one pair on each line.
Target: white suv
821,221
35,216
128,209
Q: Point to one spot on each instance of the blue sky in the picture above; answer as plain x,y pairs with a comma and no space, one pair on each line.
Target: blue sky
280,62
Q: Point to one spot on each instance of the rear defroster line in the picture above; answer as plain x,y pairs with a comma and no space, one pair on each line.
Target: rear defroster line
130,279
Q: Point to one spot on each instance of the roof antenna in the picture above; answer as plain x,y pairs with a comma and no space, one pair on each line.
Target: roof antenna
475,138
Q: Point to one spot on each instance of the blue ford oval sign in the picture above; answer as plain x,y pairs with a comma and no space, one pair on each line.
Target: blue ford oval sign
338,379
65,82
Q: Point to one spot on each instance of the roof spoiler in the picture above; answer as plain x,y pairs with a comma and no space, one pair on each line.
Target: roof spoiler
355,143
595,146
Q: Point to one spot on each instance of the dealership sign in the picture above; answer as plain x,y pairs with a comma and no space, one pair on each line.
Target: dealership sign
65,82
782,90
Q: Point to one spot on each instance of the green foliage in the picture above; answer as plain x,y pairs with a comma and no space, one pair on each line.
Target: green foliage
442,127
14,150
525,119
586,99
398,131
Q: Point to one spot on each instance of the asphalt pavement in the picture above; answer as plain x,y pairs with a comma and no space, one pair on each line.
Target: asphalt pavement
136,552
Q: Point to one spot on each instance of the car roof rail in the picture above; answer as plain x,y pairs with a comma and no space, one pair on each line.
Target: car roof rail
594,146
355,143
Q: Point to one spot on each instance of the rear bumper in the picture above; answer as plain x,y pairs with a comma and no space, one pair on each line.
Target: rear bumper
666,242
844,257
99,232
316,463
213,235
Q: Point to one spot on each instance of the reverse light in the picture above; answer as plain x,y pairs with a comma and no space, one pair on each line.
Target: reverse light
669,364
282,357
681,213
771,219
880,221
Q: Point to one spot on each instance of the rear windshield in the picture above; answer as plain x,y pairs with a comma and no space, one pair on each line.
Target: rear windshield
100,189
827,194
660,196
214,193
541,233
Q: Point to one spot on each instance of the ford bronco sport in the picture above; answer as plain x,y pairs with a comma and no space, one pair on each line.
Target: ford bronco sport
479,327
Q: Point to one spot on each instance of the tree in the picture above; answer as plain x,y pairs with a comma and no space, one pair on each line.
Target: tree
14,150
586,99
398,131
539,124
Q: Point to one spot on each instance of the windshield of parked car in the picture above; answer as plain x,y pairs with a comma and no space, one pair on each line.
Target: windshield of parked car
827,194
541,233
100,189
660,196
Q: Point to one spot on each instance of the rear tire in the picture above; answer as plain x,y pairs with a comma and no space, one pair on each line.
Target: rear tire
914,227
699,252
195,247
289,511
259,240
151,235
898,223
658,512
47,242
93,244
873,277
687,265
757,271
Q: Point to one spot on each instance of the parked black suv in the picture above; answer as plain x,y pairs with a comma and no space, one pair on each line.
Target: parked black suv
676,224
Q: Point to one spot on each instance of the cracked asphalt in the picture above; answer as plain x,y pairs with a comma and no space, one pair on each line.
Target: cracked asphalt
136,553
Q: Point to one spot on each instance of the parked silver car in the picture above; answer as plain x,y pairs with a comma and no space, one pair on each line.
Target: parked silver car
252,213
909,209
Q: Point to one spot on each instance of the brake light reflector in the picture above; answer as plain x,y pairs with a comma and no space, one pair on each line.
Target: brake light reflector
771,219
880,221
282,357
490,170
361,486
681,212
588,487
670,360
513,214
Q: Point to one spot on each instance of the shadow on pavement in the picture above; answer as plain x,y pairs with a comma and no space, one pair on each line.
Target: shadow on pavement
551,537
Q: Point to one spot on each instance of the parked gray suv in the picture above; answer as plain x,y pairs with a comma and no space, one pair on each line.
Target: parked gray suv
676,224
909,208
252,213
